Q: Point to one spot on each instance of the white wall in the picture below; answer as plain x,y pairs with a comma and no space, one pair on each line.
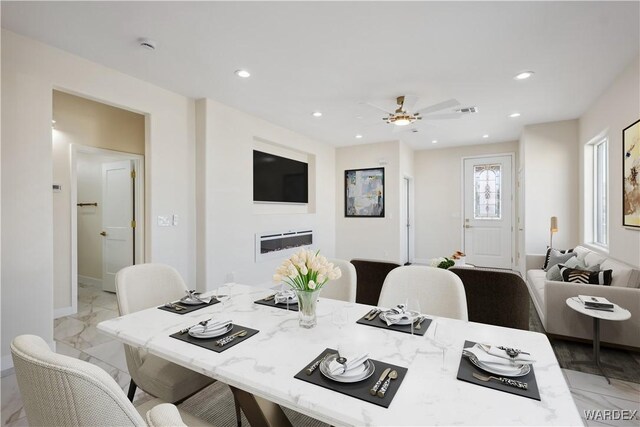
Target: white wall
30,71
230,219
551,184
614,110
438,197
370,238
89,218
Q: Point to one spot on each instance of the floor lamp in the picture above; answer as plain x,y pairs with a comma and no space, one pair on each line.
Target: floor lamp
553,229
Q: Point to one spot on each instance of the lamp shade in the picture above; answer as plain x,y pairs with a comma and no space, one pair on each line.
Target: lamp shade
554,224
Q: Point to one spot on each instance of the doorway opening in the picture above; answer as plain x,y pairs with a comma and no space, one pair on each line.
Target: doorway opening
406,223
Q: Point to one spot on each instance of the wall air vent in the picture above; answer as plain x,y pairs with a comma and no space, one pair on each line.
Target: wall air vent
467,110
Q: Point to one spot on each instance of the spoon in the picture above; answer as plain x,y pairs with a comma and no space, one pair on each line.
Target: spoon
392,376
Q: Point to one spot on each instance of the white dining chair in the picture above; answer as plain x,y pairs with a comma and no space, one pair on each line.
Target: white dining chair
344,288
59,390
439,291
139,287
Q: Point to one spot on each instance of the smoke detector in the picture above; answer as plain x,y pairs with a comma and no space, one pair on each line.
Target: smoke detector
147,43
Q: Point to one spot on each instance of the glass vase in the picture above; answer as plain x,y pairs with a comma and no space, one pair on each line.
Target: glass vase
307,301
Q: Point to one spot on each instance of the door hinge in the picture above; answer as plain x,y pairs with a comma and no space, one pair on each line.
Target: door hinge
133,174
133,224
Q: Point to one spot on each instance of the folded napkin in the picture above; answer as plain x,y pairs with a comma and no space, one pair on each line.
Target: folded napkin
354,363
497,364
396,314
286,296
502,353
210,328
195,296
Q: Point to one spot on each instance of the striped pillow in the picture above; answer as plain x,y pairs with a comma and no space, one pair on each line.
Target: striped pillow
574,275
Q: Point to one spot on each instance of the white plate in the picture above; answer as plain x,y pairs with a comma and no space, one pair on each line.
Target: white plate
508,371
368,368
411,315
212,334
190,301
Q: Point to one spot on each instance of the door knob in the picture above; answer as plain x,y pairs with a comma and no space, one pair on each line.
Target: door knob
103,233
467,226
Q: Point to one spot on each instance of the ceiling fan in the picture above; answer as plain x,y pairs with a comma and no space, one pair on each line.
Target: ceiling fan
405,115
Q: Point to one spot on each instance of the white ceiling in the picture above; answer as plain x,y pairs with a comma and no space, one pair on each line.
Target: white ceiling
330,56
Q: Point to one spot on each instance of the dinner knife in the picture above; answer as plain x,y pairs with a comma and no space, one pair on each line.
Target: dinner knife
374,389
366,316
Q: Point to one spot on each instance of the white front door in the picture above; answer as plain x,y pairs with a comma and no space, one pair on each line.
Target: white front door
117,220
488,231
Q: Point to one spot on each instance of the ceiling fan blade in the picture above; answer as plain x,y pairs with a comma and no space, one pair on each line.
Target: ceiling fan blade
440,106
445,116
377,107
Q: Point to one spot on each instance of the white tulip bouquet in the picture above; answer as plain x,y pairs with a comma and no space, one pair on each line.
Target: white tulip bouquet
306,271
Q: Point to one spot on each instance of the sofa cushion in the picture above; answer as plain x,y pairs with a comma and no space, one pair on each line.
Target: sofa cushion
557,257
582,252
574,275
593,258
536,279
622,274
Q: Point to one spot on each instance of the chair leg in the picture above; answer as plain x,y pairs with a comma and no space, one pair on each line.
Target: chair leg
132,390
238,414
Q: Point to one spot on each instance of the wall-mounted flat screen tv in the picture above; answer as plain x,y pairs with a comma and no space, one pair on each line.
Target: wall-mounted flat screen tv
278,179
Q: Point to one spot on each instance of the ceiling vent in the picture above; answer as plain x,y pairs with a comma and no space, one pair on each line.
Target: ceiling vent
467,110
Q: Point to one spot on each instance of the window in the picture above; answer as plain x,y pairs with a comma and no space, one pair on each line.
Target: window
600,199
486,185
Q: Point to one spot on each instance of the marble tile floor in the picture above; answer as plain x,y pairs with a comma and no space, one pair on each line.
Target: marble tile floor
77,336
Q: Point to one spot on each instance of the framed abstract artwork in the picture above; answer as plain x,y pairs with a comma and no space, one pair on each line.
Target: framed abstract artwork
364,193
631,176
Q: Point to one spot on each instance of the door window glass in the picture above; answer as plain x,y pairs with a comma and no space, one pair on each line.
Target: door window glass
486,188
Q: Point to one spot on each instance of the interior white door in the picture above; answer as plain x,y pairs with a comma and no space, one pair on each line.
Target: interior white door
117,220
488,220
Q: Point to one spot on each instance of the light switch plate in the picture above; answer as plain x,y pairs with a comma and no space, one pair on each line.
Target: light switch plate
164,221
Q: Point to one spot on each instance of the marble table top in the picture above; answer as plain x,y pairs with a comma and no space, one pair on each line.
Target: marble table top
430,394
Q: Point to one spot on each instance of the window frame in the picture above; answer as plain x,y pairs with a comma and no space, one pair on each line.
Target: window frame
600,192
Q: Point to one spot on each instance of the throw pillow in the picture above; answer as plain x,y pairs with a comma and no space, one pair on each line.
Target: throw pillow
574,275
551,250
558,258
554,271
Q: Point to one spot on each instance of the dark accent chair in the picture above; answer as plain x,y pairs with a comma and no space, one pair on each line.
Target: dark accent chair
495,297
371,275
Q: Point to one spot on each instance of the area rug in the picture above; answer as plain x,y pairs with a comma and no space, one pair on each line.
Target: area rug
215,405
569,352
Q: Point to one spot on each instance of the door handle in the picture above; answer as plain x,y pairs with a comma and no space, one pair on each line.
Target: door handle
467,226
103,233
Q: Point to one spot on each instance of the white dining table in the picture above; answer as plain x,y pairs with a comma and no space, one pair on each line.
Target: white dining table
265,364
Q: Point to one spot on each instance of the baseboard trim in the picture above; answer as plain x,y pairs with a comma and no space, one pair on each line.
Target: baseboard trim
90,281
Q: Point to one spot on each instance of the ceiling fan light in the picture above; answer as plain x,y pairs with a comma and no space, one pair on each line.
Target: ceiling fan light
403,121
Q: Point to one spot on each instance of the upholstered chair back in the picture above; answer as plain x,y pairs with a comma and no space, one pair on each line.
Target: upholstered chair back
344,288
439,291
147,285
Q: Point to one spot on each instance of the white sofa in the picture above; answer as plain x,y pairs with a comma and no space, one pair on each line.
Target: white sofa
558,319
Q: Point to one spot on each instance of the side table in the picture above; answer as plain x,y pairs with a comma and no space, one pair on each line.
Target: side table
617,314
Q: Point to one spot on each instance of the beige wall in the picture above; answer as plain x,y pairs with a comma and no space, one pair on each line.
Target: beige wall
550,184
614,110
84,122
438,197
89,219
373,238
30,72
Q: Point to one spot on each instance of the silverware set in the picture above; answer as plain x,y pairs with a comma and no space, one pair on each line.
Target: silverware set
375,312
226,340
315,365
269,298
175,306
382,385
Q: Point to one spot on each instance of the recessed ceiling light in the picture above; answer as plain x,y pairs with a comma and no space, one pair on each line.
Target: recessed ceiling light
514,115
243,73
316,114
523,75
435,141
358,136
485,136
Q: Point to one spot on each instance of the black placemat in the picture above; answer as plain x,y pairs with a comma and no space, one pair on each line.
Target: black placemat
359,390
271,303
466,370
188,308
210,343
379,323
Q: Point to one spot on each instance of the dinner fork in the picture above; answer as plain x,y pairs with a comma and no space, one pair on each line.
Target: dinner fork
503,380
